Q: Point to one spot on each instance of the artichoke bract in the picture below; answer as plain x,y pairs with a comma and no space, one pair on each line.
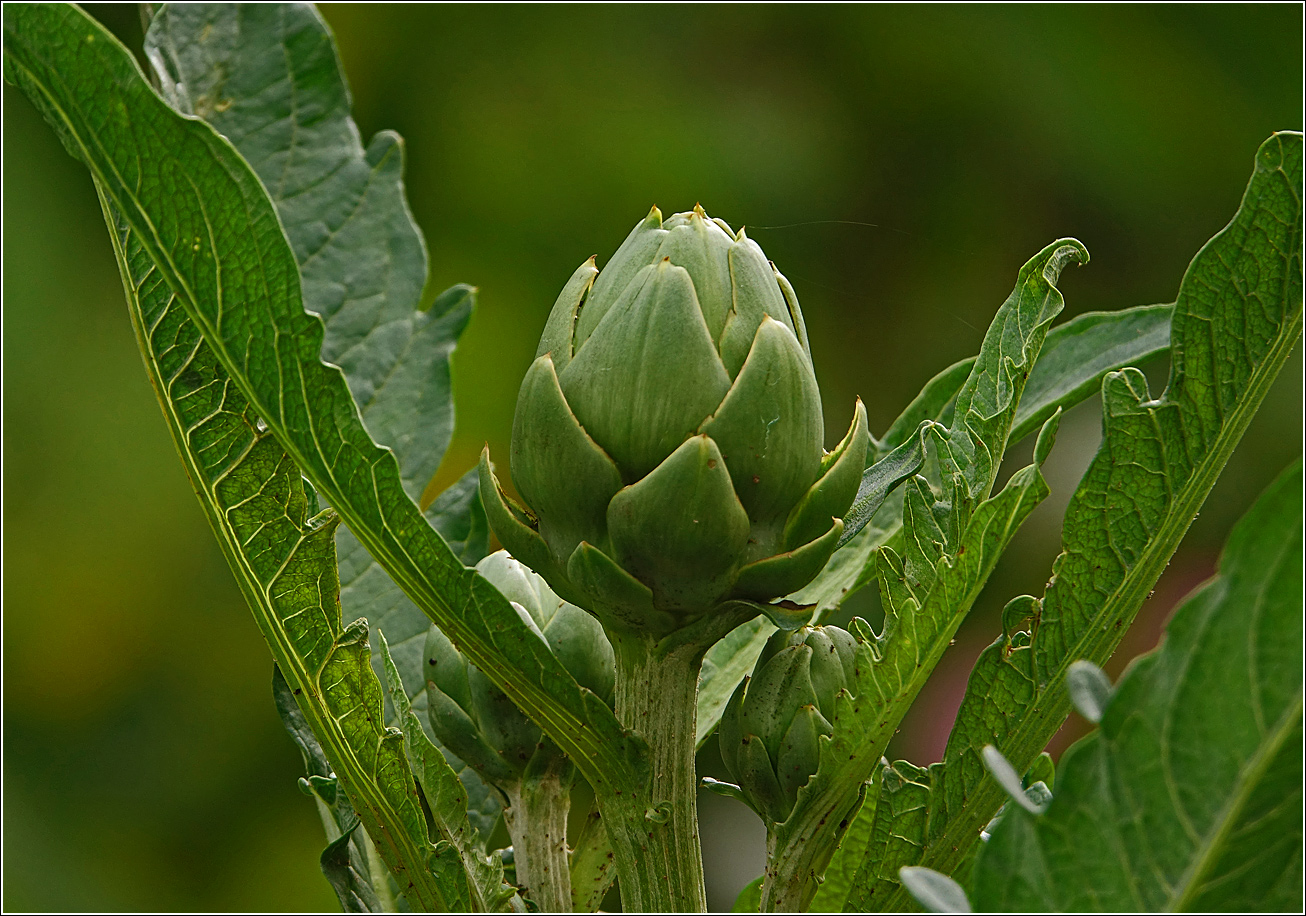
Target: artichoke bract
668,439
475,719
771,728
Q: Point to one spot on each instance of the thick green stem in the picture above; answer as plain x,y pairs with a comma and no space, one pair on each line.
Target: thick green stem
536,818
794,868
659,858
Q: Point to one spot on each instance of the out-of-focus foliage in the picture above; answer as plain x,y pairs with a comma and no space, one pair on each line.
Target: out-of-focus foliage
146,770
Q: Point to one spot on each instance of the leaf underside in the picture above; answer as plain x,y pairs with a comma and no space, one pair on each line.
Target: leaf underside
283,555
269,79
222,251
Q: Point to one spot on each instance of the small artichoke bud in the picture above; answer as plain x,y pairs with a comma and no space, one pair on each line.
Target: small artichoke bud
668,437
475,719
771,728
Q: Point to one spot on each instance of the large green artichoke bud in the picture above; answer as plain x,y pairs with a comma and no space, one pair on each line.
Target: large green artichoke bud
475,719
771,728
668,437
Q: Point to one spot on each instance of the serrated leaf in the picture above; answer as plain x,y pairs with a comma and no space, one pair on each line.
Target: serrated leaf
343,861
949,548
890,671
1014,342
284,561
1236,320
269,79
222,252
446,798
1189,796
342,864
842,870
1074,358
986,404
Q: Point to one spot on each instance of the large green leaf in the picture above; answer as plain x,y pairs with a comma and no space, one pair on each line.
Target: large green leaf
1189,796
208,228
283,555
951,544
269,79
923,611
345,861
1236,320
446,799
1075,357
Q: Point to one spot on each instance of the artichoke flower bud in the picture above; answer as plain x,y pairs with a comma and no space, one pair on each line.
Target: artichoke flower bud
668,439
771,728
475,719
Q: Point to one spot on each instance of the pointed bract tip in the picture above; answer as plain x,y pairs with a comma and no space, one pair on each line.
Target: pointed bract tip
654,215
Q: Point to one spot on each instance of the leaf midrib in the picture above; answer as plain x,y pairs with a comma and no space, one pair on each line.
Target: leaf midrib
1208,852
598,761
838,790
350,769
959,833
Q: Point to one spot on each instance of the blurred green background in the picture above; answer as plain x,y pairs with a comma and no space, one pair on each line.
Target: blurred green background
899,164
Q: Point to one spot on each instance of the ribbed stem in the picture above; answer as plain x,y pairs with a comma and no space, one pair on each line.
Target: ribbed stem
536,818
657,688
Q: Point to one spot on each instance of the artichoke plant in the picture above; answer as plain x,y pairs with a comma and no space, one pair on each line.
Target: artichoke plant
771,728
475,719
668,439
